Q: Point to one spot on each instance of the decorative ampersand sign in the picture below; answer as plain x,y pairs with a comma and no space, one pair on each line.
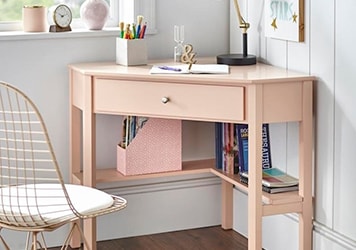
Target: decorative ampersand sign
188,55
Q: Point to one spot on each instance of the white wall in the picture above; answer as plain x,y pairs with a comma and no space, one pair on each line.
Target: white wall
38,66
328,53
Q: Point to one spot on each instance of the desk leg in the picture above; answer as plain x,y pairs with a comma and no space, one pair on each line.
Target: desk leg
74,156
226,205
89,156
255,167
305,168
90,233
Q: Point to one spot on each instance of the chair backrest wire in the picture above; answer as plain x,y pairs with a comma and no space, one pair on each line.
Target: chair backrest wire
27,161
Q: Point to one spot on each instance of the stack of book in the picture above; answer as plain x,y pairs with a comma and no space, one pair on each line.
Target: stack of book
274,181
231,144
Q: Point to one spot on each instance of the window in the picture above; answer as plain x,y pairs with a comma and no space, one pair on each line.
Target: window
11,12
123,10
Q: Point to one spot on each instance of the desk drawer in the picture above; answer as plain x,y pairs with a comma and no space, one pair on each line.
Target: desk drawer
185,101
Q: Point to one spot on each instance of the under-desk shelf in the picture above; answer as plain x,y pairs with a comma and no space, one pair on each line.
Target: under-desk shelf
112,175
193,167
267,198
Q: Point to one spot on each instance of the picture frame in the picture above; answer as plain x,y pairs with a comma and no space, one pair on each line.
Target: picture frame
284,19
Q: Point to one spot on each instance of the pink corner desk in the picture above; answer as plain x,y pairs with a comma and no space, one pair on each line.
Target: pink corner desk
249,94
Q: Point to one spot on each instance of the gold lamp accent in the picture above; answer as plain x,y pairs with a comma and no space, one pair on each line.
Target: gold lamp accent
239,59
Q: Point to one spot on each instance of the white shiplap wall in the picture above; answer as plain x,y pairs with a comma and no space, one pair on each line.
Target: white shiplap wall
328,52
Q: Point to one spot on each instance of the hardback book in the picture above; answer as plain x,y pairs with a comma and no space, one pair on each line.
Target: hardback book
272,190
226,148
218,145
274,177
242,141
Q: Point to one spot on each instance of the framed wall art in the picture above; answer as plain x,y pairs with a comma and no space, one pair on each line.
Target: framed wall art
284,19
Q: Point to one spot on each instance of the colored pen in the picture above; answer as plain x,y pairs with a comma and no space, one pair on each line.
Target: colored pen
143,30
133,31
170,68
128,32
122,29
139,22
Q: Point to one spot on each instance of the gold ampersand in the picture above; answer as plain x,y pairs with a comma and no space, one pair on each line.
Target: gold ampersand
188,55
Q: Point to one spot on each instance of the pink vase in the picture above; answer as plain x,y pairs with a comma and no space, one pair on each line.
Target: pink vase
94,13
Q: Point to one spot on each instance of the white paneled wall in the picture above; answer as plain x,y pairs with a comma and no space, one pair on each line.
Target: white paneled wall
345,120
322,65
328,52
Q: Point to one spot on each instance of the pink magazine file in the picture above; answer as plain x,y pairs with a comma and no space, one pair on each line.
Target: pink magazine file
157,147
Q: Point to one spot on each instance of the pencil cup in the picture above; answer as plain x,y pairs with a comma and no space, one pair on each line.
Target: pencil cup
131,52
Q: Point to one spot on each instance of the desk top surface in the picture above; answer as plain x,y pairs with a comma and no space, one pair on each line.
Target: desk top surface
259,73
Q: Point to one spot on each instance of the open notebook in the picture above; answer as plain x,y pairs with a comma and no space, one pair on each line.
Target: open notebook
195,69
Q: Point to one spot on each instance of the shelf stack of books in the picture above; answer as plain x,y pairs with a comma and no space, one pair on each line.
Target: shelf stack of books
232,157
231,144
274,181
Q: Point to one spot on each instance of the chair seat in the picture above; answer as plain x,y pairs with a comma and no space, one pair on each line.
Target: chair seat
17,205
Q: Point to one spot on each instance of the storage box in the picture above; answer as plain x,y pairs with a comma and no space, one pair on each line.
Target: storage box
157,147
131,52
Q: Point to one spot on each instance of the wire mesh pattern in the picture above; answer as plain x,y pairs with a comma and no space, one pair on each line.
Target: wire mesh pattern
33,196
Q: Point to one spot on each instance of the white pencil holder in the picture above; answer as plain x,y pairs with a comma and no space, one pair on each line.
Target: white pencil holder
131,52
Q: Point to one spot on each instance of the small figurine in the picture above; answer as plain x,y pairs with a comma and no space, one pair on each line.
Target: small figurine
188,55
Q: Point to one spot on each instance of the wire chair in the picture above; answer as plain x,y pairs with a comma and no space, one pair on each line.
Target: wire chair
33,196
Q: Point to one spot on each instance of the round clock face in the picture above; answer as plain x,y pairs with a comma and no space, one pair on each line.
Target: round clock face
62,16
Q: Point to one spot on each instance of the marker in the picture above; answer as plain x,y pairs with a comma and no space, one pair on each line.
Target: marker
143,31
122,29
133,31
139,23
170,68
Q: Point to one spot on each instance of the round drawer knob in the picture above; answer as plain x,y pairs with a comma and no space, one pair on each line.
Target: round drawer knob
165,100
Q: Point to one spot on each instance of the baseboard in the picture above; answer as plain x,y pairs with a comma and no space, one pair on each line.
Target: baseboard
334,236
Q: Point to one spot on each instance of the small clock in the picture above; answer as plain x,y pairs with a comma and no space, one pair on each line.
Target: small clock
59,18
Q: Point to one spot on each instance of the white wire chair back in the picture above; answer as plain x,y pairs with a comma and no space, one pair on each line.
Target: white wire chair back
33,196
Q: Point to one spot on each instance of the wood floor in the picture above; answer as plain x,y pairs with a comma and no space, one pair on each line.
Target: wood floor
209,238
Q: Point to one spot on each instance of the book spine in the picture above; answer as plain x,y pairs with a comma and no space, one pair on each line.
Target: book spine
242,141
266,147
218,145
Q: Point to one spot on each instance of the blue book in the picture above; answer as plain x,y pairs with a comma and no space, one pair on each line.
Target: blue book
242,140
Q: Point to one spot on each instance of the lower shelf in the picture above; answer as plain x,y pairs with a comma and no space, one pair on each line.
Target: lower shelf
287,202
267,198
112,175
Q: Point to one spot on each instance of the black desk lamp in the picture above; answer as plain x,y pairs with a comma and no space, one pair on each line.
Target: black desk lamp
239,59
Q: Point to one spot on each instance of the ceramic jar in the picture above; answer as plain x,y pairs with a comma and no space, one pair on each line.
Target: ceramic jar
34,18
94,13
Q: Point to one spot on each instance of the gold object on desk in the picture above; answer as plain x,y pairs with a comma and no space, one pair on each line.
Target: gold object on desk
188,55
